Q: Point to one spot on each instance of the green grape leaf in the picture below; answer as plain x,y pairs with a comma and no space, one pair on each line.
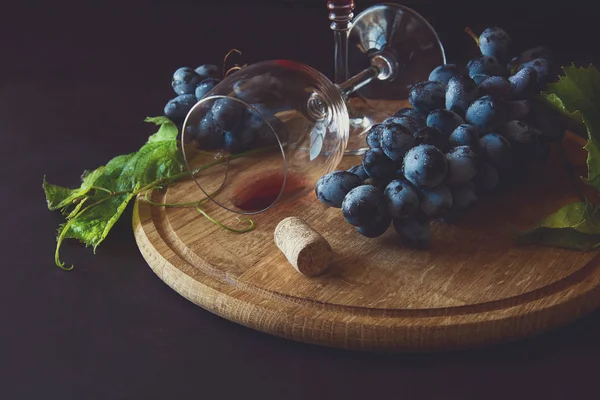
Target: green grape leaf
574,226
577,95
93,208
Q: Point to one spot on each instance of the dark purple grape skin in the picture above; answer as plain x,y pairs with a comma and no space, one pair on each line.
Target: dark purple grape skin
485,65
331,188
228,113
464,135
487,178
528,55
518,109
374,136
427,96
444,120
462,165
396,140
464,196
547,121
478,78
542,67
204,87
407,122
414,231
239,139
411,112
176,109
460,93
363,205
432,136
375,228
524,83
359,171
518,131
185,81
443,73
495,86
496,150
436,201
485,113
207,71
209,135
494,42
377,165
425,166
401,198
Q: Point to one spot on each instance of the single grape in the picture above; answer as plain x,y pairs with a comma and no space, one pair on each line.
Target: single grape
375,228
494,42
444,120
460,93
464,135
425,165
496,150
427,96
401,198
204,87
518,131
239,139
528,55
518,109
377,165
485,113
177,108
207,71
411,124
445,72
331,188
463,196
462,164
487,178
209,135
363,205
185,81
228,113
415,231
411,112
495,86
432,136
395,141
359,171
541,66
524,83
435,201
374,136
485,65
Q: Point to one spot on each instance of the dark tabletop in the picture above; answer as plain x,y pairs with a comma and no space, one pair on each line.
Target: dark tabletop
76,82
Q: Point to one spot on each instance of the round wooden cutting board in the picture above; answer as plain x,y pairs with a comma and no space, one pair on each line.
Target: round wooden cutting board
473,287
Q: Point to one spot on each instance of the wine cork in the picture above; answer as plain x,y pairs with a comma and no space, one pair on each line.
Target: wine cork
307,251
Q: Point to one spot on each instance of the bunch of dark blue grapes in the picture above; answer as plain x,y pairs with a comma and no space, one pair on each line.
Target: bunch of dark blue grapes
226,124
471,130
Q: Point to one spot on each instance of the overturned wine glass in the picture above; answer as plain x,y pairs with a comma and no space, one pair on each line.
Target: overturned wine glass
268,132
408,42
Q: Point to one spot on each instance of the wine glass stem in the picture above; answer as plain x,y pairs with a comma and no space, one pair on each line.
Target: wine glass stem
358,81
341,56
340,15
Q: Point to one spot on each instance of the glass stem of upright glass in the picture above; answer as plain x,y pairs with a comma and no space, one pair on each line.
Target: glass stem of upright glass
340,15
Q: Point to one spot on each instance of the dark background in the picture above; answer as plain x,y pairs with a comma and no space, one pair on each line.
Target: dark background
76,82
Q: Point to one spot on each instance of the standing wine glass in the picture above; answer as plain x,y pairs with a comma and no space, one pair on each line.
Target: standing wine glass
391,33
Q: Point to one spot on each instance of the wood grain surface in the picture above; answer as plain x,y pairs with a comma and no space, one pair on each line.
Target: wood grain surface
474,287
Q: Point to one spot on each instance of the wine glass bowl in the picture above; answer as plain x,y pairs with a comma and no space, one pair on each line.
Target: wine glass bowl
265,134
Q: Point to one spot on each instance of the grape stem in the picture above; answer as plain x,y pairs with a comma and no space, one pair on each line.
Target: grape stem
473,35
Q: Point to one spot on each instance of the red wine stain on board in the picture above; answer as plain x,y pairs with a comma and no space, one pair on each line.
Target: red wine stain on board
261,192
